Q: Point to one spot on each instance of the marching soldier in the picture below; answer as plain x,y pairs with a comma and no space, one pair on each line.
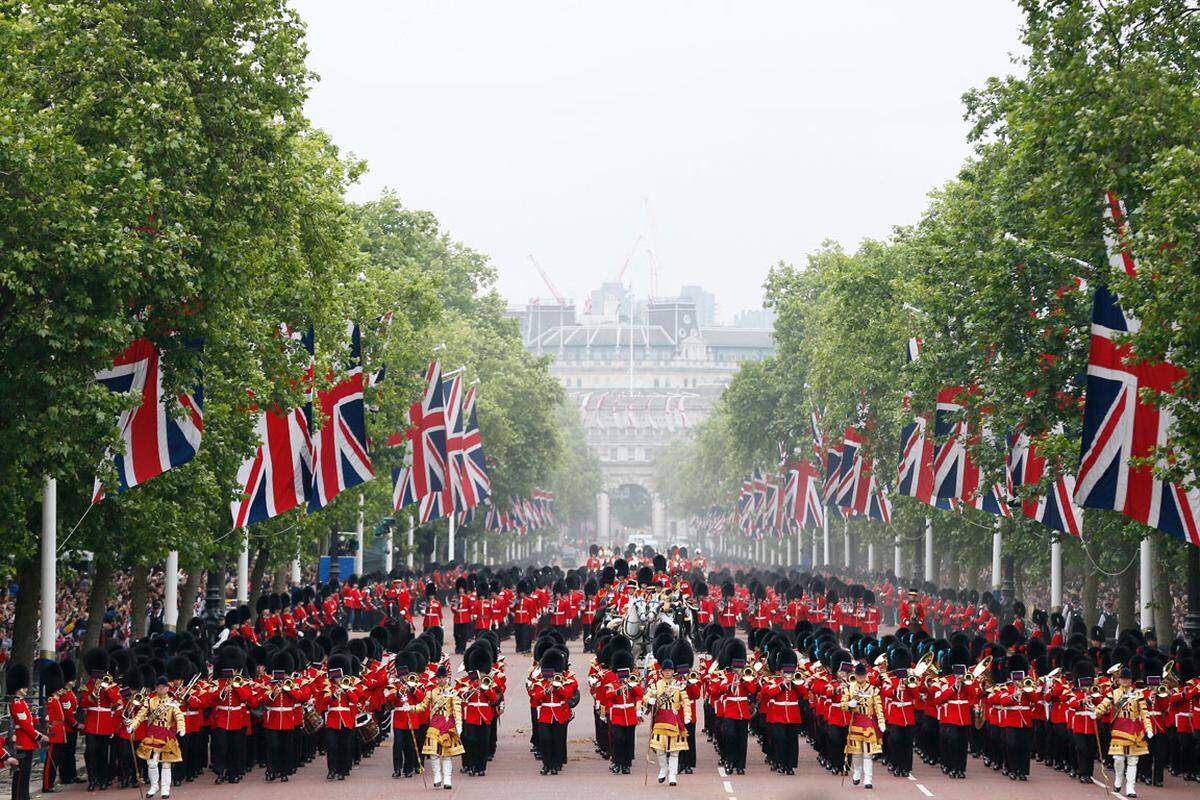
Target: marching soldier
621,698
159,746
899,712
864,739
57,714
478,693
1131,729
443,738
553,694
410,713
101,703
779,697
339,705
25,735
669,711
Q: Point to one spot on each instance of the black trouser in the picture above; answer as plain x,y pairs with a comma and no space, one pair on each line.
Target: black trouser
602,734
95,758
127,767
835,744
279,752
493,736
339,750
785,744
405,751
1182,762
553,744
900,748
687,758
20,783
228,753
1085,753
929,738
475,740
1160,753
623,737
67,773
462,633
952,747
195,746
1054,748
524,637
50,770
735,742
1016,750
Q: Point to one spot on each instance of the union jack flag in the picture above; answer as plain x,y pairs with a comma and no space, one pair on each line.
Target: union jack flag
1121,429
833,468
427,419
404,489
808,508
154,438
915,476
277,477
851,469
340,448
956,475
476,484
1055,509
452,392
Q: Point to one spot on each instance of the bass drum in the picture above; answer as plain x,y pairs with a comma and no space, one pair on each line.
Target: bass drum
313,721
367,728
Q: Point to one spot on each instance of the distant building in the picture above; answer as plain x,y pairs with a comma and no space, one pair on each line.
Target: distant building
638,385
755,318
705,303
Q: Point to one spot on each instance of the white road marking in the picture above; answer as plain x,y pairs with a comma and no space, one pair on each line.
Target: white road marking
911,778
924,791
728,787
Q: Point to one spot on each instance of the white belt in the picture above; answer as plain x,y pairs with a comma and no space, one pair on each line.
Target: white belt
738,698
1091,714
958,702
785,702
550,705
1014,708
281,709
480,705
337,708
902,703
1153,713
99,710
190,713
624,705
229,708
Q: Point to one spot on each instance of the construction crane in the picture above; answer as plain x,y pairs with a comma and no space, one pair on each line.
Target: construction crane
546,280
629,257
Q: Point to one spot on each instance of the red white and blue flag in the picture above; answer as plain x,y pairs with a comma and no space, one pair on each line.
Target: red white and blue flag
158,433
340,459
476,484
1121,430
427,419
915,476
452,393
1056,509
850,471
809,508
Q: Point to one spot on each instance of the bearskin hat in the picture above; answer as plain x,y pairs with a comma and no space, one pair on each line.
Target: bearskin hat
621,568
1017,663
645,576
52,678
16,677
478,658
179,668
733,653
899,657
682,655
660,563
555,659
96,661
1009,636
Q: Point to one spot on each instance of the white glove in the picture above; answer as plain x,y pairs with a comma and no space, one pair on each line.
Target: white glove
852,704
882,727
458,729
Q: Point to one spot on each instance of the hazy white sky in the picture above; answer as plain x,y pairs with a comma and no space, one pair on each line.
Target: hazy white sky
730,135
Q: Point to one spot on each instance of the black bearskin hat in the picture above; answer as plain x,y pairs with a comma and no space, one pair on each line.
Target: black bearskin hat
16,677
554,659
52,678
478,658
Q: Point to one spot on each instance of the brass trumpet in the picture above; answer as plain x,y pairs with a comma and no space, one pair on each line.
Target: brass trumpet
912,681
348,682
486,683
748,674
412,680
693,677
557,681
237,681
1028,683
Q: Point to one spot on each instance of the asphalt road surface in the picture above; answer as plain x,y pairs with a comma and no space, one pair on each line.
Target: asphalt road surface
514,772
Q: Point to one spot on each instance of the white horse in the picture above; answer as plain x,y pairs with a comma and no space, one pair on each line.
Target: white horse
638,622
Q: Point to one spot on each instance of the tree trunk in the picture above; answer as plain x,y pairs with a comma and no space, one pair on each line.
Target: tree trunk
1164,626
953,572
279,582
25,615
256,578
1127,595
187,597
97,602
1091,588
138,590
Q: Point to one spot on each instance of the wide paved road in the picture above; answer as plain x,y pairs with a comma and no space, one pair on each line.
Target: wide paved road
514,773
